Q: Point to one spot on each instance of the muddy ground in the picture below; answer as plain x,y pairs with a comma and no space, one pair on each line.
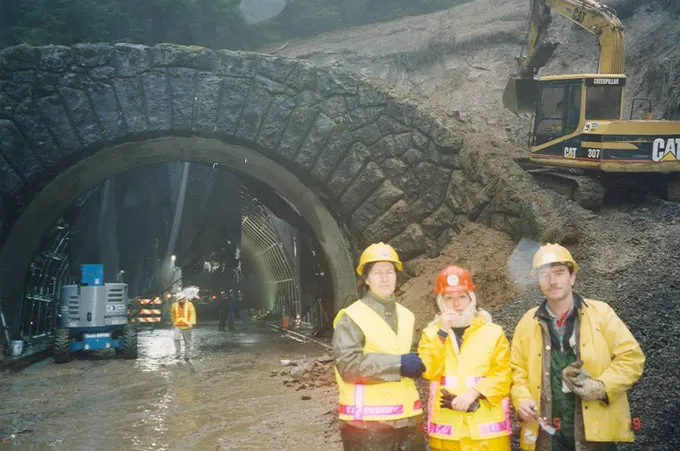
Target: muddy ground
226,397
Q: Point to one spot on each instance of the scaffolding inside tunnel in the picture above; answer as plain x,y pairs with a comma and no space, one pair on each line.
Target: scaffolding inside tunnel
262,237
49,270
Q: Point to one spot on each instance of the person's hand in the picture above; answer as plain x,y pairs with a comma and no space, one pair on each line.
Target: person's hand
411,366
448,401
527,410
580,382
573,372
447,319
463,402
590,390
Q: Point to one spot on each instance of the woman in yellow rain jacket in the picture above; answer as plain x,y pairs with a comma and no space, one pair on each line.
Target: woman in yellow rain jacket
468,365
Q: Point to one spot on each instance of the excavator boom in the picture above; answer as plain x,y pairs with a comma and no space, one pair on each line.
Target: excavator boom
601,20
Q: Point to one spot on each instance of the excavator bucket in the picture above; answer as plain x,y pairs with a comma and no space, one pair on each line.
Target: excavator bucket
520,94
521,91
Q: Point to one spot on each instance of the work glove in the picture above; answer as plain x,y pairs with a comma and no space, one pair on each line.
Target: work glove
447,398
411,366
578,381
573,375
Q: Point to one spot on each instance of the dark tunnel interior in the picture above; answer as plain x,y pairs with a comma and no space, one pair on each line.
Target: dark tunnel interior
165,226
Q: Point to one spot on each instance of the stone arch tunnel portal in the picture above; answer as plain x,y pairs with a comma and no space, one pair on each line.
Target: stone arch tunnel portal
356,161
261,248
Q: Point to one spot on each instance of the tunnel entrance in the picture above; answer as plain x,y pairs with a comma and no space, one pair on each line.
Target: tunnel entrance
326,140
257,228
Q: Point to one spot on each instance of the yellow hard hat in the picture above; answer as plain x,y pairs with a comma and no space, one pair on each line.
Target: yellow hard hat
378,252
553,253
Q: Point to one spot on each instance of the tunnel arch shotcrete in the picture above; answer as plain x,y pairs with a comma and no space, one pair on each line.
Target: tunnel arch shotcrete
360,162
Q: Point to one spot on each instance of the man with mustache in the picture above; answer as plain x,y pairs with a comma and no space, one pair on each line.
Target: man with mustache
573,361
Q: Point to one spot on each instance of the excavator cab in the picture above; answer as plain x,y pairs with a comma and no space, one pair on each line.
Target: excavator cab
558,110
569,104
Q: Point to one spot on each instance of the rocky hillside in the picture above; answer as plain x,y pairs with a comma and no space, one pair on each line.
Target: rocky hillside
456,63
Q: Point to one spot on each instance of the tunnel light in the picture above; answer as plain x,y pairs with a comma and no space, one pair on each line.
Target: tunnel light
173,258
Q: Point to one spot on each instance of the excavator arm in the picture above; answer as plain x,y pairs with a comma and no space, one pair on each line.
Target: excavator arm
594,17
539,50
601,20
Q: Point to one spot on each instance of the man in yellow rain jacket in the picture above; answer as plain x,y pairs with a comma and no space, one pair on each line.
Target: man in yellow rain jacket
379,405
183,321
573,360
468,363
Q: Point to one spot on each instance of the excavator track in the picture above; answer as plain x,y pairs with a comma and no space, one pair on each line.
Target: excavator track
586,190
591,191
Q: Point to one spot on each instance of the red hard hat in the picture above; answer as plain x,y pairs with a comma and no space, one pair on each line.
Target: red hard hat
452,279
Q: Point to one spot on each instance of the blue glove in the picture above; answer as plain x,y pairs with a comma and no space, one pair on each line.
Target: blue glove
411,365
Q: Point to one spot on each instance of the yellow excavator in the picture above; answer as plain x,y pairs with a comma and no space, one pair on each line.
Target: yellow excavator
581,144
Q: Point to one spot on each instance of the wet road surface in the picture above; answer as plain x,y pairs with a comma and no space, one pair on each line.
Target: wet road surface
223,398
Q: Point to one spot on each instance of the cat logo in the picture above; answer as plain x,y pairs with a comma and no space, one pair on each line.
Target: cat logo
666,149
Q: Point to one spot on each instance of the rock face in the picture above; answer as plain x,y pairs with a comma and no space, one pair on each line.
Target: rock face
388,170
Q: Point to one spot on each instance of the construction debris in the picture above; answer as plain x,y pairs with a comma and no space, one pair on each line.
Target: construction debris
308,374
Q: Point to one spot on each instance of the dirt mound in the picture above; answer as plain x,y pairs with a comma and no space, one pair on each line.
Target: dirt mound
482,250
302,374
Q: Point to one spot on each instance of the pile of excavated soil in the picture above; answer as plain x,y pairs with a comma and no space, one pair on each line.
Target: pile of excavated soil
480,249
302,374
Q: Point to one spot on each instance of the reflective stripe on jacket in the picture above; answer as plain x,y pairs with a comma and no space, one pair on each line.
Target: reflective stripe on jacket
609,353
386,400
188,315
482,363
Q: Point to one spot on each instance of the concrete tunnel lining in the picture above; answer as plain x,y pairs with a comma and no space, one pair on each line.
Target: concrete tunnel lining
29,229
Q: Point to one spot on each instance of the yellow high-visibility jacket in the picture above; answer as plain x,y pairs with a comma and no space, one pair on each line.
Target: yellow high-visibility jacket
383,401
187,318
609,353
482,363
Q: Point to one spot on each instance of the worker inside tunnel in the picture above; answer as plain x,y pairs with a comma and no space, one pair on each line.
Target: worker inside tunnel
162,226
